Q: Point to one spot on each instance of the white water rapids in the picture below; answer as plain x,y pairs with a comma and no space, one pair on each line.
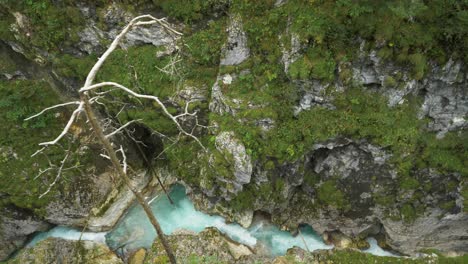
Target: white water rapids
135,231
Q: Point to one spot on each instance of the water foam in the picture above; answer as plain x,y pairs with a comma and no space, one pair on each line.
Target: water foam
69,234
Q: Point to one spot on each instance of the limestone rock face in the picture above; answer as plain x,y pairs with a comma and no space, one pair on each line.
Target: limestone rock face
114,16
229,168
361,172
219,102
313,94
446,98
54,250
74,207
226,142
15,227
443,89
447,234
236,50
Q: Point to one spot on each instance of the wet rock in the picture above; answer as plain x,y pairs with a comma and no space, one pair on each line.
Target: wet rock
55,251
117,202
90,40
17,75
238,251
206,244
73,206
245,218
138,257
114,17
16,225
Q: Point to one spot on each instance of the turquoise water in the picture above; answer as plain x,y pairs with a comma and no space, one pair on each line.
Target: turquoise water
135,231
68,233
374,249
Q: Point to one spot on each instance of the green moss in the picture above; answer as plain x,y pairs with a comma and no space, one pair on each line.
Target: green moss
204,46
311,178
191,10
20,139
52,25
389,81
408,213
447,154
265,192
407,183
329,194
74,67
419,65
385,200
317,64
447,206
359,114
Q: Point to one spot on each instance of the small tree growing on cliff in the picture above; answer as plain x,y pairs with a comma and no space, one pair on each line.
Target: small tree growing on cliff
85,104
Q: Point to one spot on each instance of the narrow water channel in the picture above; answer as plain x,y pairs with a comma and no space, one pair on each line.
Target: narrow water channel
135,231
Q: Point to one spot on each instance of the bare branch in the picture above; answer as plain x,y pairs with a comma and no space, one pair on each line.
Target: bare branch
104,156
186,112
50,108
42,172
170,68
97,127
134,22
37,152
161,21
145,96
59,173
121,110
67,127
124,161
106,92
122,127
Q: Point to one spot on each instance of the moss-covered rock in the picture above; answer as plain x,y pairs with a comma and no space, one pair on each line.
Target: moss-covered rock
54,250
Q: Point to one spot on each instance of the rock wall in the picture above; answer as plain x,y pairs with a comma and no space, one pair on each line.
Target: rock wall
281,117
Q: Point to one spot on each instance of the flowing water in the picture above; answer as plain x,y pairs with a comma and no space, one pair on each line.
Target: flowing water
374,249
69,234
135,231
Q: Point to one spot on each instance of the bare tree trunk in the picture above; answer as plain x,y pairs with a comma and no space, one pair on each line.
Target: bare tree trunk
123,175
85,105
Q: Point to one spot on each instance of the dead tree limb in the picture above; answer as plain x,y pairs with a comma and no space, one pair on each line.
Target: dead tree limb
85,105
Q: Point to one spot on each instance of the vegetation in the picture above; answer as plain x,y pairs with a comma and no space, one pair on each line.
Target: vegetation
414,34
329,194
356,257
18,140
47,26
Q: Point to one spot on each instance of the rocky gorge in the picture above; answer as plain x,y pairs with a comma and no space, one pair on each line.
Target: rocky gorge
356,142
